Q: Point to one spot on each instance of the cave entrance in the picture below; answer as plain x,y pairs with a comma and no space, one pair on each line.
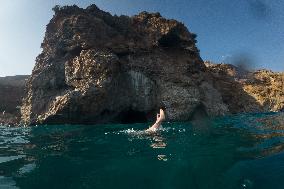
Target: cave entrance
131,116
170,40
199,113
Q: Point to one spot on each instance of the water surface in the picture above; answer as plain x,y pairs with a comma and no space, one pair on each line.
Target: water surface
233,152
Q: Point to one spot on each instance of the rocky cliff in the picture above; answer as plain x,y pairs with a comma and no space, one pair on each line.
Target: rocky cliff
248,91
11,93
97,68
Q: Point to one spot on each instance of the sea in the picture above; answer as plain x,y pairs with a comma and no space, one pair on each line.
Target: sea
244,151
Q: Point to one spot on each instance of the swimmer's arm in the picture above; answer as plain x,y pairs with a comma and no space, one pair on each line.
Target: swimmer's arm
157,124
154,127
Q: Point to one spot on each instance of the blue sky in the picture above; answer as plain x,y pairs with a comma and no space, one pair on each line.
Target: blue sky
226,29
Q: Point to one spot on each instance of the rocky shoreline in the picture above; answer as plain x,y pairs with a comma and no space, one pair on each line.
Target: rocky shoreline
248,91
99,68
12,90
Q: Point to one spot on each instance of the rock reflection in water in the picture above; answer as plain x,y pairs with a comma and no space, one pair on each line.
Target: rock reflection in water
268,133
262,134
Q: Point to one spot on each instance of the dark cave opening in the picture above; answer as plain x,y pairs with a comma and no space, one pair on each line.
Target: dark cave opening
199,113
76,51
170,40
131,116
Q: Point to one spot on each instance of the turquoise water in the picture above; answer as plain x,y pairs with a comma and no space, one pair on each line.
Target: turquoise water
243,151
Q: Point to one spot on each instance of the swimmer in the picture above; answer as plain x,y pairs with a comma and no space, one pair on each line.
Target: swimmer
160,118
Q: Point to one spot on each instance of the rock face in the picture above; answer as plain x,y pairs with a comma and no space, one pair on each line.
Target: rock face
245,91
97,68
11,93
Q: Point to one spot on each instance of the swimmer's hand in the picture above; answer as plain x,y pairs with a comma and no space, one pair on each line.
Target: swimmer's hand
157,124
161,116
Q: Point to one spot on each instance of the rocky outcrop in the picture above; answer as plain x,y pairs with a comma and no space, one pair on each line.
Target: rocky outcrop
11,93
97,68
248,91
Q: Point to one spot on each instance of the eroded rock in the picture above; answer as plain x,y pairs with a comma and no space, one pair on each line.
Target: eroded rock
96,68
248,91
12,89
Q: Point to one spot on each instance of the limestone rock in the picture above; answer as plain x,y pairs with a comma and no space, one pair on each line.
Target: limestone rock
11,94
248,91
97,68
